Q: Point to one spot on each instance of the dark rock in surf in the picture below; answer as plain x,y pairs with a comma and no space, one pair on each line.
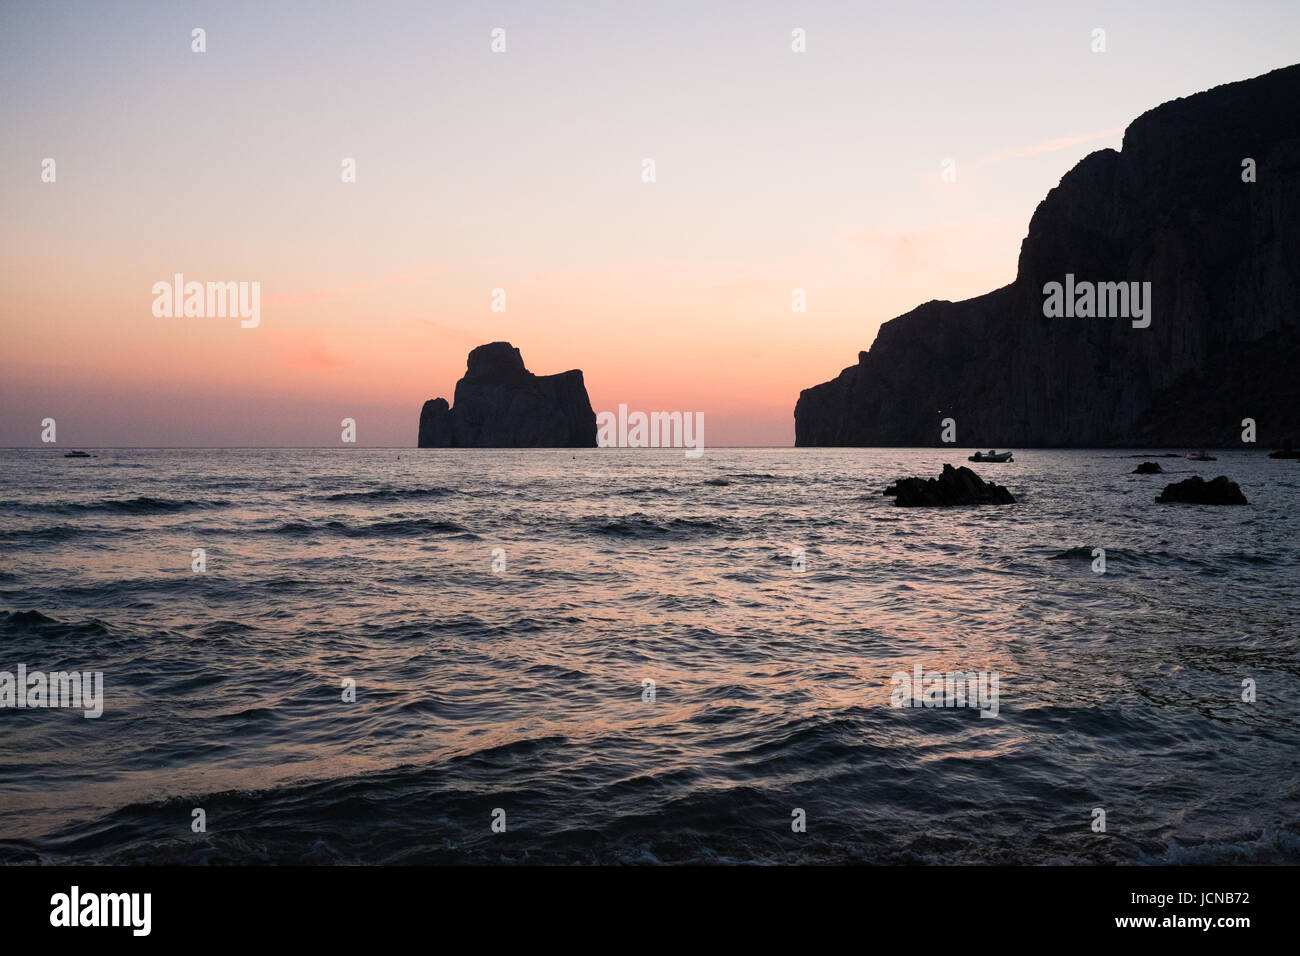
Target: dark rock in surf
500,404
956,486
1148,468
1198,491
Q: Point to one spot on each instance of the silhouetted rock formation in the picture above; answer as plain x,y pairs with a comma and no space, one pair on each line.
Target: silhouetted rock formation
1286,451
1170,208
1198,491
1148,468
500,404
435,424
956,486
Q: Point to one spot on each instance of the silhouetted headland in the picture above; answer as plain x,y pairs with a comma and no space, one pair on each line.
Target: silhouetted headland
1202,203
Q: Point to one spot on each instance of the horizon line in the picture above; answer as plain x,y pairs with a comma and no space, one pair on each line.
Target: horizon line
595,448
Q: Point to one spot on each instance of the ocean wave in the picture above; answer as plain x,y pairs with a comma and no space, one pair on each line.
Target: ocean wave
1206,561
142,505
390,494
393,527
642,526
34,623
62,532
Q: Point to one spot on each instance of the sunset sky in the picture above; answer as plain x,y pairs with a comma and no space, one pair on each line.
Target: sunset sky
523,171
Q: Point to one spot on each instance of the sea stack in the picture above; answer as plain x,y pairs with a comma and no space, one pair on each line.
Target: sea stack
500,404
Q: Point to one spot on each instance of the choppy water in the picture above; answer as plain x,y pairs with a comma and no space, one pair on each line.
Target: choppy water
522,689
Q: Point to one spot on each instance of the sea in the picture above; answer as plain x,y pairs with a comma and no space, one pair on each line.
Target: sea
632,656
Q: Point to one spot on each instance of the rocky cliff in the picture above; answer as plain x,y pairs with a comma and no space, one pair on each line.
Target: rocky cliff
1171,208
500,404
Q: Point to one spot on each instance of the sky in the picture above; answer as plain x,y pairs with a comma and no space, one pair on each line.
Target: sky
524,171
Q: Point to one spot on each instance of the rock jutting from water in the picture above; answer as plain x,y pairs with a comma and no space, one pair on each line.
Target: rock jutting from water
1198,491
1149,468
956,486
500,404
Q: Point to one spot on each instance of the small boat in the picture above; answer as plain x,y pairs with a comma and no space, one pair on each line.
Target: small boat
78,454
991,455
1201,455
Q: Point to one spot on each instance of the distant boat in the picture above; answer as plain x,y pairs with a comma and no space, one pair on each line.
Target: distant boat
991,455
78,454
1201,455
